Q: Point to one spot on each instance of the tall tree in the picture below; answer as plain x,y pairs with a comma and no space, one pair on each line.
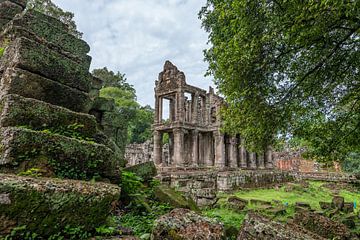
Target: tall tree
139,119
288,68
49,8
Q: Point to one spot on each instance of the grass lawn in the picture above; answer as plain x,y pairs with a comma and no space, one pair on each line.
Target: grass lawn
313,194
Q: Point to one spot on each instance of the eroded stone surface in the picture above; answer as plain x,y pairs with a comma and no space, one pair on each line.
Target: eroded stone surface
257,227
36,58
31,85
185,224
22,149
322,225
40,203
38,115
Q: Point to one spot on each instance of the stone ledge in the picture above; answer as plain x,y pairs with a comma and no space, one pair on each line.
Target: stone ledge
22,149
21,3
37,26
46,206
36,58
19,111
31,85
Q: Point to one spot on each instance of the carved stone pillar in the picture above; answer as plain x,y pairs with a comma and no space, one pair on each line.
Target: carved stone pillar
252,160
233,153
178,147
157,148
261,161
180,106
195,104
195,148
269,164
156,115
219,149
243,155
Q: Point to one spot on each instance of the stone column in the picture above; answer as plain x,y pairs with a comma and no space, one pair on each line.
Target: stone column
252,160
219,149
172,115
195,99
156,115
243,155
180,106
261,161
233,153
160,109
195,148
269,164
178,147
157,148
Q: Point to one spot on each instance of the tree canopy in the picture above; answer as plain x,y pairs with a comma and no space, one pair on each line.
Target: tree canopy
288,69
139,119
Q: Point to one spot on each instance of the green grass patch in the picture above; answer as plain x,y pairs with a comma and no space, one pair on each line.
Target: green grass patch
287,195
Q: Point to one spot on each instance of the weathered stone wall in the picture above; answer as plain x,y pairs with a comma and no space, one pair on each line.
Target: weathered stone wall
46,93
203,186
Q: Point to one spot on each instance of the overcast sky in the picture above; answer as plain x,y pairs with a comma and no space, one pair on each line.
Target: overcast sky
135,37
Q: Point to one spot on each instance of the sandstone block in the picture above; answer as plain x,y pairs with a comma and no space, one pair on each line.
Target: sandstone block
168,195
22,149
236,203
338,202
102,104
52,30
38,115
147,171
348,207
322,225
31,85
257,227
46,206
36,58
8,10
21,3
185,224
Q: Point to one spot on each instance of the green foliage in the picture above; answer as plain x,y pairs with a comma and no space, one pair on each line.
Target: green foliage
49,8
288,68
351,164
139,119
131,184
68,233
312,195
2,51
32,172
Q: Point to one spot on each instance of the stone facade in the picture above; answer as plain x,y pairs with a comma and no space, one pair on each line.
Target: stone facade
193,127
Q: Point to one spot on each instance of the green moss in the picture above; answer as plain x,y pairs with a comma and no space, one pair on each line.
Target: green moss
47,206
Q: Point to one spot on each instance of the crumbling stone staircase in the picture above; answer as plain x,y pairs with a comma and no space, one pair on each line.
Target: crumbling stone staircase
46,88
46,94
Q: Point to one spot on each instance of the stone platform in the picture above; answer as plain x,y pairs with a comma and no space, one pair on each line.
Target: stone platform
202,185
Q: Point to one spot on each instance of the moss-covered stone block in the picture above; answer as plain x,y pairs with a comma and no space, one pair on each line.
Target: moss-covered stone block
22,149
102,104
47,206
16,110
21,3
8,10
35,25
38,58
146,171
31,85
168,195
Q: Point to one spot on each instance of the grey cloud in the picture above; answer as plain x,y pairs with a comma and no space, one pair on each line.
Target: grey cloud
135,37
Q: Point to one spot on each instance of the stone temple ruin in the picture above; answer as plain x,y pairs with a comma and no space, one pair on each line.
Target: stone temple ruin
193,129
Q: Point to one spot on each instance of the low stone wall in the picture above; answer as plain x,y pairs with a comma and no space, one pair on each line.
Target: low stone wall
326,176
202,186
